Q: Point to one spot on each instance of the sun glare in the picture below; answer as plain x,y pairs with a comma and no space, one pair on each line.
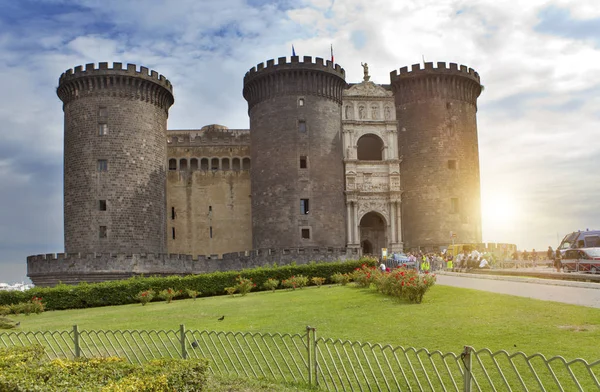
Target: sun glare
499,210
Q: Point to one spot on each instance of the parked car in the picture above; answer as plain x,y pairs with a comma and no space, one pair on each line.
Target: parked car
582,260
402,260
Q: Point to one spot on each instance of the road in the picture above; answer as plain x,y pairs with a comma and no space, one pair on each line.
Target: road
569,294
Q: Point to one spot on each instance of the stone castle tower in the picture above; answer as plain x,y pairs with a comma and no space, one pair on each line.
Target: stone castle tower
436,111
115,158
297,168
327,171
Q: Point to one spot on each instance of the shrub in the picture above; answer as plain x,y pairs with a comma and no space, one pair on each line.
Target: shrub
244,285
231,290
271,284
340,278
295,282
4,310
121,292
365,275
169,294
192,293
6,323
145,296
318,281
24,369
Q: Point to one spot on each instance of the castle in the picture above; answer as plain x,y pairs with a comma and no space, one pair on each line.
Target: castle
328,170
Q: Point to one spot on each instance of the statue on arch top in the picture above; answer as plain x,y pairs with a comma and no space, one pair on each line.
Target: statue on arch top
366,72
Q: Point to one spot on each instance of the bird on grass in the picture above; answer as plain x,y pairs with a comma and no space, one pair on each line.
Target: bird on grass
17,324
221,318
195,344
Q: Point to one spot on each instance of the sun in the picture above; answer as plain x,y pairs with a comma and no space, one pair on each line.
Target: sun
499,210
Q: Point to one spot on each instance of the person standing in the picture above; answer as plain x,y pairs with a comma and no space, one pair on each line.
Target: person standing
557,260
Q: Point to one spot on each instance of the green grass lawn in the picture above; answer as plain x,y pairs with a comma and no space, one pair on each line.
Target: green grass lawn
448,319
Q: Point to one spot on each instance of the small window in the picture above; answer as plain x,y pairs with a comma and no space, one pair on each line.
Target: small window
173,232
183,164
209,208
246,164
454,206
306,233
102,165
102,129
102,114
211,232
303,162
452,164
102,205
214,164
103,232
172,212
302,126
301,102
304,206
172,164
194,164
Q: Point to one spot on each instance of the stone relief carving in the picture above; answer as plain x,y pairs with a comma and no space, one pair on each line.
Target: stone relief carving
374,112
388,113
361,112
349,112
368,89
378,205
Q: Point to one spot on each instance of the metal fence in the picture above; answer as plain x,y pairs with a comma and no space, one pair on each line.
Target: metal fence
330,364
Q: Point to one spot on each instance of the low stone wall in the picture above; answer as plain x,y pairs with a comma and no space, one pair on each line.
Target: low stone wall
72,268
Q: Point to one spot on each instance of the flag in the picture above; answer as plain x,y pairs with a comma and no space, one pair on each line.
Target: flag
293,50
332,54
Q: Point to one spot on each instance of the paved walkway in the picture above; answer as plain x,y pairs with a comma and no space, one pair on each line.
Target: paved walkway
576,293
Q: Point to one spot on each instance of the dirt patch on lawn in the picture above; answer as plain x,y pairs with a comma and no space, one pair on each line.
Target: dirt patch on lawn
579,328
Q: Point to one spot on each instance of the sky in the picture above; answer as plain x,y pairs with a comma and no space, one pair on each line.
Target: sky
538,116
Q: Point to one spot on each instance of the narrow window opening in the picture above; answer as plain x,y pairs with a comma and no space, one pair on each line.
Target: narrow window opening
102,205
209,208
102,129
452,164
103,232
302,126
102,165
102,114
173,232
303,162
454,206
306,233
172,212
301,102
211,234
304,206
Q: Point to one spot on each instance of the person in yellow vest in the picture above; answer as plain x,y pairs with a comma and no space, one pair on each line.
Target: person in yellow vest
425,266
449,265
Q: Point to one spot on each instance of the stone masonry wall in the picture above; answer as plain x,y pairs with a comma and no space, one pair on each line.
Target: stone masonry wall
51,269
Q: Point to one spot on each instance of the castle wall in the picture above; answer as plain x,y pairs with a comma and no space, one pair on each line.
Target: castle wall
208,207
295,111
51,269
436,111
114,158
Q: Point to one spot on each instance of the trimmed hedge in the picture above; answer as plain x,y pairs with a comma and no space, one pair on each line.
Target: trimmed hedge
24,369
121,292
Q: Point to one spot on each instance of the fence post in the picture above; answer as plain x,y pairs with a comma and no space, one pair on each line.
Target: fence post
76,341
468,362
182,341
315,356
308,361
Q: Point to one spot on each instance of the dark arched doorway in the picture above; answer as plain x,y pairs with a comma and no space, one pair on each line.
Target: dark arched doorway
367,247
372,233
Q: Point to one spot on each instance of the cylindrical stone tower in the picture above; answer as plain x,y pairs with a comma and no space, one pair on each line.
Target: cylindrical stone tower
297,161
115,158
436,111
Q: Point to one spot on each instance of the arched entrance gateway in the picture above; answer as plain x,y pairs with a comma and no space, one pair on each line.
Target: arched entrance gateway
373,233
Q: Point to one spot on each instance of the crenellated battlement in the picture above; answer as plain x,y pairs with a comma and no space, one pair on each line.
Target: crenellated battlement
307,63
429,69
71,268
320,78
446,81
123,82
117,69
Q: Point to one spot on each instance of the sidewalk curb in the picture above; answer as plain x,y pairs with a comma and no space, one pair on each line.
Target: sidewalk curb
548,282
